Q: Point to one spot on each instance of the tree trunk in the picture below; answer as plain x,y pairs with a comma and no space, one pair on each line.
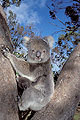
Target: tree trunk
8,86
67,93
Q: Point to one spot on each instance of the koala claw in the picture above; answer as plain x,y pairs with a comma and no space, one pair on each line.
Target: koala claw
5,52
20,106
18,98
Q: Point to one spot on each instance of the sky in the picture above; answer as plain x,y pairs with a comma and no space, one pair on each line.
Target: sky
36,12
33,12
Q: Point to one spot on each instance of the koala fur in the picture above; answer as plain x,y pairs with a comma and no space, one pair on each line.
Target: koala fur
37,69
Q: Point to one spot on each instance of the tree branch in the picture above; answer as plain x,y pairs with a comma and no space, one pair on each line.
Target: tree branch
8,86
67,93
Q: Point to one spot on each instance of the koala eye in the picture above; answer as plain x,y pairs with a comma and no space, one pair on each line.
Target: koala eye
44,51
32,50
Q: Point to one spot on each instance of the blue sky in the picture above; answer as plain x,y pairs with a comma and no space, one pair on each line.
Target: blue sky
36,12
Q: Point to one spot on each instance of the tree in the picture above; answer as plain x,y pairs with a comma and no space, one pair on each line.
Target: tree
8,86
7,3
68,40
18,31
67,93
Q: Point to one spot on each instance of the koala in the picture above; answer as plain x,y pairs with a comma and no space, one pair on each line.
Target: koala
37,69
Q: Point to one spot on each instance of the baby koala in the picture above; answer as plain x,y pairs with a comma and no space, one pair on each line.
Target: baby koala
37,69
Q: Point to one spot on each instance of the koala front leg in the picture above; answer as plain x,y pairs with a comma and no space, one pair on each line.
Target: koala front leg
22,67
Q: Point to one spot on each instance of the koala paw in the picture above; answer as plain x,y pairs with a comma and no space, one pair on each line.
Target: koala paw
5,52
21,108
23,105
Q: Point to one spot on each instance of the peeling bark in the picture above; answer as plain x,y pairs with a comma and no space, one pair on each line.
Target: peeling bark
67,93
4,30
8,86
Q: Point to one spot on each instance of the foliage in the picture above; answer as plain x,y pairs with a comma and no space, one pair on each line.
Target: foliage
77,114
72,11
71,31
18,31
7,3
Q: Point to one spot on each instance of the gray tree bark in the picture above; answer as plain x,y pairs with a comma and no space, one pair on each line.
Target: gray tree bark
8,86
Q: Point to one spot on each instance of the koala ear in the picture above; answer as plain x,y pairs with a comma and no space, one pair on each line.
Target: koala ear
49,40
26,40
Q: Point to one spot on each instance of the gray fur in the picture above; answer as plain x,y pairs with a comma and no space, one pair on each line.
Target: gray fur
38,70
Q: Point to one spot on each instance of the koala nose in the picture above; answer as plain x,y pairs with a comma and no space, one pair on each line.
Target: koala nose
38,54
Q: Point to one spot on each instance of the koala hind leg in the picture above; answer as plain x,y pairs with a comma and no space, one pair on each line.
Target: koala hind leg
22,84
31,98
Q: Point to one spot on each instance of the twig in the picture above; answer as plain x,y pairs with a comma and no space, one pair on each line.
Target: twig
58,31
59,20
56,25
